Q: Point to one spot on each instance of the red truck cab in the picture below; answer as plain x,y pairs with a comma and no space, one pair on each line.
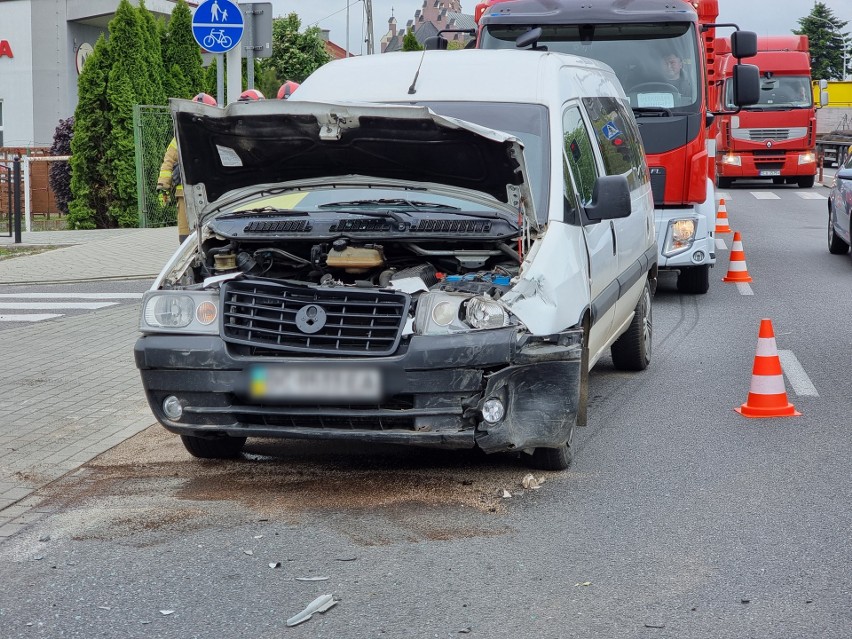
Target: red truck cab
776,137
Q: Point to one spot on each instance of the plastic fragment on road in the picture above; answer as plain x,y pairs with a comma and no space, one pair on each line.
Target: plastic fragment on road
532,483
505,494
311,578
249,552
351,558
464,631
585,583
320,604
276,564
167,612
655,625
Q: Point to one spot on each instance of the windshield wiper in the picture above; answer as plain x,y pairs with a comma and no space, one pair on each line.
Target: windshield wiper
655,111
267,210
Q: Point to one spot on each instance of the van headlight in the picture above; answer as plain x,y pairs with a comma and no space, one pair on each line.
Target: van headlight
680,236
180,312
441,313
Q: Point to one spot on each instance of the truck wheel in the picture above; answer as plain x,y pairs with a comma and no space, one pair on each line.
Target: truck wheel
218,448
723,182
551,458
806,181
632,351
694,280
836,245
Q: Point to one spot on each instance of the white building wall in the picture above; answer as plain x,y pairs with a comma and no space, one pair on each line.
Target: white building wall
16,77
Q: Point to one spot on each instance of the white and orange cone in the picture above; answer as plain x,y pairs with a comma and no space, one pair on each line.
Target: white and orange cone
737,270
722,218
767,396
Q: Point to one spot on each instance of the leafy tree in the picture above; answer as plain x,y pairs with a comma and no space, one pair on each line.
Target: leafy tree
59,173
294,55
90,191
410,43
182,56
827,42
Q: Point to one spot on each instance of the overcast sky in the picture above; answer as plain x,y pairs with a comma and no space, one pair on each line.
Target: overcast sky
766,17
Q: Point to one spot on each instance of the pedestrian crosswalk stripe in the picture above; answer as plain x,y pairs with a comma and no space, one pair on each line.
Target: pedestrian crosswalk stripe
744,288
765,195
53,306
29,317
720,244
810,195
72,296
721,195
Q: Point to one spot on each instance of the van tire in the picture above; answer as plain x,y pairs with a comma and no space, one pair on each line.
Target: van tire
632,351
807,181
218,448
551,458
694,280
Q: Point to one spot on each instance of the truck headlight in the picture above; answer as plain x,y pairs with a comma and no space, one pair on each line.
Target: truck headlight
732,160
680,236
440,313
807,158
180,311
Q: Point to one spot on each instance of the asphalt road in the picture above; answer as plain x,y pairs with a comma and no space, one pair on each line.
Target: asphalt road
679,517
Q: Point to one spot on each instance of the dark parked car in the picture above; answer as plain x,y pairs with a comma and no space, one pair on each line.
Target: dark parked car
840,210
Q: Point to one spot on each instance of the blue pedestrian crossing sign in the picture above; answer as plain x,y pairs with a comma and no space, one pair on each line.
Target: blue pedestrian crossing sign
217,25
610,130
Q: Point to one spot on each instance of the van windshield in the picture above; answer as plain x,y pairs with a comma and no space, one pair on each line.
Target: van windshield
657,64
527,122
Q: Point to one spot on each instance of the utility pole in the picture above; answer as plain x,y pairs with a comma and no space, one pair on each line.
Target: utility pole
368,9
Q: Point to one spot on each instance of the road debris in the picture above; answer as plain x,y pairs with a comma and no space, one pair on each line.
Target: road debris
167,612
464,631
276,564
532,483
249,552
352,558
104,607
320,604
655,625
585,583
745,601
311,578
505,494
258,536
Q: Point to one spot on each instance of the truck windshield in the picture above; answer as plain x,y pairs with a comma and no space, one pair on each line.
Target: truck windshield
780,92
657,64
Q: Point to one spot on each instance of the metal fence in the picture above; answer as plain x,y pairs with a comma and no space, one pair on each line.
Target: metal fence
152,131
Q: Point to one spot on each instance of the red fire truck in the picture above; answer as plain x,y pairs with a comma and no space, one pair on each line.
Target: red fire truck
776,137
663,53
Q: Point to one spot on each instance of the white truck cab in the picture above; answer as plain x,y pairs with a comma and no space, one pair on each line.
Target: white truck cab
410,249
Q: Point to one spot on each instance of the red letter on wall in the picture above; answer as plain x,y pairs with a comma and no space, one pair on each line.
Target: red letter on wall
5,49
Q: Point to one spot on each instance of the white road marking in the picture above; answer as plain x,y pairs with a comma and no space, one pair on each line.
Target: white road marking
720,244
53,306
32,317
764,195
744,288
810,195
797,376
721,195
73,296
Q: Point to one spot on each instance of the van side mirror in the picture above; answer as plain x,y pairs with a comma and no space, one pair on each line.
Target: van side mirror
746,81
436,43
744,44
610,199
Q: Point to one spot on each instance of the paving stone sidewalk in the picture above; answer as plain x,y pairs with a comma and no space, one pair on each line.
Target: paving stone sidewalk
70,388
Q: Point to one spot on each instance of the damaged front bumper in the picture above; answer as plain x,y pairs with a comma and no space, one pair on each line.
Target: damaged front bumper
434,389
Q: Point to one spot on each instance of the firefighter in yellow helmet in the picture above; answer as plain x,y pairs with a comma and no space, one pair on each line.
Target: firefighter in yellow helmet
169,181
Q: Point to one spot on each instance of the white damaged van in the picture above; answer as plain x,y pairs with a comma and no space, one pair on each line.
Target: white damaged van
439,267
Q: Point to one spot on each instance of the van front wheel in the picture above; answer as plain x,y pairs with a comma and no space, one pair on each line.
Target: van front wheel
551,458
632,351
218,448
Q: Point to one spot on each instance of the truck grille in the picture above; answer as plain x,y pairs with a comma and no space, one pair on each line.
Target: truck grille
776,135
273,317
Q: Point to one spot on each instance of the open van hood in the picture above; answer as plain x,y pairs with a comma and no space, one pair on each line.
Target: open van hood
290,143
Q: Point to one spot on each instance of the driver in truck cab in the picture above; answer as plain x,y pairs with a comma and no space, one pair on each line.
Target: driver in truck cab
673,73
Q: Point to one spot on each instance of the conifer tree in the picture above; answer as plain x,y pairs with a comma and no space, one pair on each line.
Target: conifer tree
152,57
181,50
90,193
410,43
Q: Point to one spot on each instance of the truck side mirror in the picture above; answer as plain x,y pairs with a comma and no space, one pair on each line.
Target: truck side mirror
743,44
435,43
823,92
746,84
610,199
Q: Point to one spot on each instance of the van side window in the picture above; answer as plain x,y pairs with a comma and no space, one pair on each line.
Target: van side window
578,154
619,139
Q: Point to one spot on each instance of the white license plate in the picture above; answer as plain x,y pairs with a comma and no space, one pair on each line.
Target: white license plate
770,172
307,384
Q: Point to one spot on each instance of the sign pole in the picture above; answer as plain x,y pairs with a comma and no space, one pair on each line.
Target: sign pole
248,43
233,63
220,79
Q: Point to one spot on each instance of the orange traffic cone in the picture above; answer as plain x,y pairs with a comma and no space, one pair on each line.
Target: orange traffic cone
767,396
737,271
722,218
